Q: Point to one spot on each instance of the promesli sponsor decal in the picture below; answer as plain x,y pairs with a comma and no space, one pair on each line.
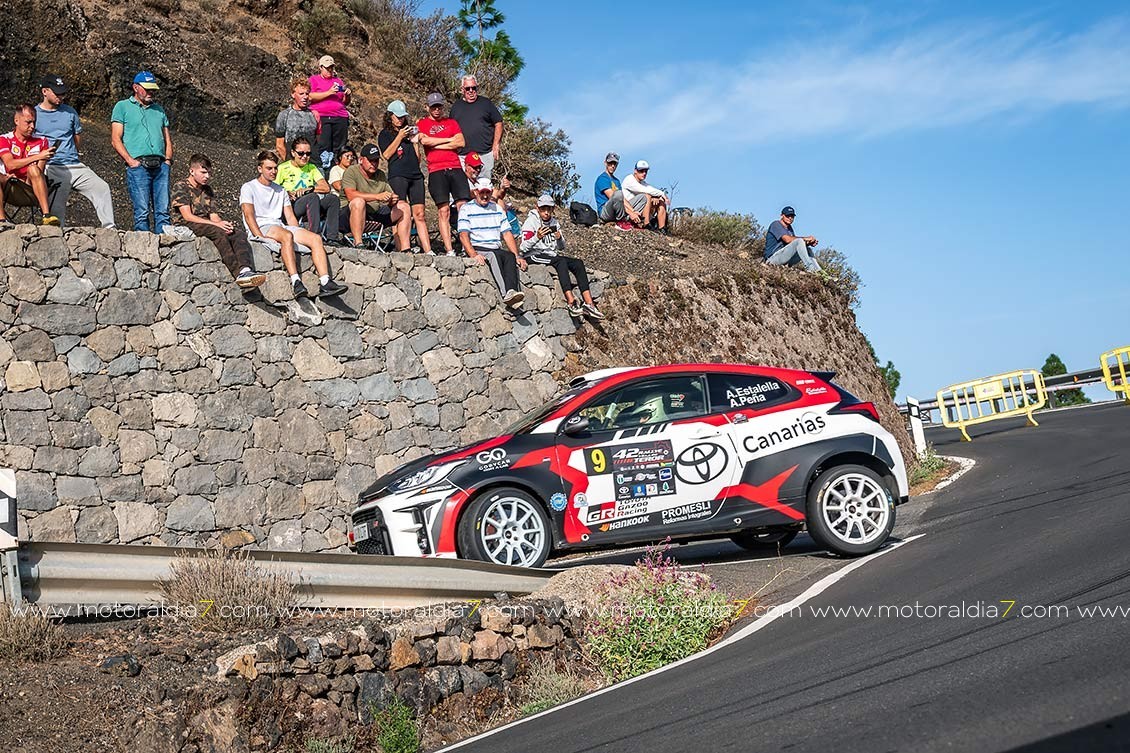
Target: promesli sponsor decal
809,423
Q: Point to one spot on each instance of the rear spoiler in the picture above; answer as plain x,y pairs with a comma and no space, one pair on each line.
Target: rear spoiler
827,376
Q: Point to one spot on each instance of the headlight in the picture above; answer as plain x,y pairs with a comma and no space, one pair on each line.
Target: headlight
424,477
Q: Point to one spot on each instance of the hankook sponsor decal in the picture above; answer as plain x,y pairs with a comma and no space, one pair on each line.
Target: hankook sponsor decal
625,523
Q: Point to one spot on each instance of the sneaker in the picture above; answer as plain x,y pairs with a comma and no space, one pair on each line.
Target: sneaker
300,290
49,219
450,253
250,279
575,308
348,242
625,225
513,298
663,231
333,287
591,310
7,224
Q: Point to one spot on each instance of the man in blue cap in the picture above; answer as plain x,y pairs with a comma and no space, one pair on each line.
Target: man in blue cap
139,133
784,248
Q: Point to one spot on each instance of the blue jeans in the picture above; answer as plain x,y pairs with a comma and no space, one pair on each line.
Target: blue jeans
793,254
149,186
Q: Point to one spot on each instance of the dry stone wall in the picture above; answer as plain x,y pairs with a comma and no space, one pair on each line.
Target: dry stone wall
145,400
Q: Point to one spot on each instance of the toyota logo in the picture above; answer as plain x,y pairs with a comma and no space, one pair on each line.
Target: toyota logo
701,463
491,456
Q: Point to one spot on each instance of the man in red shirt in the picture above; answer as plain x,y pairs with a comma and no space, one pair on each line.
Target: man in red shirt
441,138
24,158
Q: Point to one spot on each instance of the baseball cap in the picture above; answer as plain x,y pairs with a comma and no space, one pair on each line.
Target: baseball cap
326,61
545,200
612,157
473,159
146,80
435,98
642,165
483,184
54,83
370,152
788,212
397,108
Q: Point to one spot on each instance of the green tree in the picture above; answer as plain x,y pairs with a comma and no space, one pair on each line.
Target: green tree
1054,366
889,373
496,56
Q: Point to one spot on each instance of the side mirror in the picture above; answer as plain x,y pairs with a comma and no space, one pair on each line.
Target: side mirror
576,425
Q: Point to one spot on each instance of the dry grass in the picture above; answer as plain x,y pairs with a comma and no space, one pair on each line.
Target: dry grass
226,591
548,687
28,635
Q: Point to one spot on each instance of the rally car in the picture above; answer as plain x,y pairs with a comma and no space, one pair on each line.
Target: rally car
636,455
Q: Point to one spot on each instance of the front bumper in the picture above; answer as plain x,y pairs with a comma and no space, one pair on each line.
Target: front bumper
403,525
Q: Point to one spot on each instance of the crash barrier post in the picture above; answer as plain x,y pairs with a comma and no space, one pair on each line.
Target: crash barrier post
914,414
987,399
1116,365
10,591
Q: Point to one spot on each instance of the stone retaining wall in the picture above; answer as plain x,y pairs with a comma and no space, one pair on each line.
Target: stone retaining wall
146,401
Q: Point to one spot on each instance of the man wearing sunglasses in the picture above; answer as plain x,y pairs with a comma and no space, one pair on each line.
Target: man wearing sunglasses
309,192
481,123
442,140
646,200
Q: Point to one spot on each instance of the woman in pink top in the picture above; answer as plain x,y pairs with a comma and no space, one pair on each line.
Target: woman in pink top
328,97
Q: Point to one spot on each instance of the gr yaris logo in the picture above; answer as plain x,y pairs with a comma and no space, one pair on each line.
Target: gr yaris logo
701,463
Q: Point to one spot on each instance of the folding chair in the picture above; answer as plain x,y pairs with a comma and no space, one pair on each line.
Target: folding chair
14,211
378,237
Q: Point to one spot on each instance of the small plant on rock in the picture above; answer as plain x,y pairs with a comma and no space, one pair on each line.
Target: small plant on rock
29,635
548,687
396,726
926,466
315,745
652,615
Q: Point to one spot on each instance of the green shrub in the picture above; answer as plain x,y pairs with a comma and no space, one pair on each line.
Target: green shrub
737,231
397,728
926,466
324,21
329,746
420,48
26,634
536,158
848,280
548,687
652,615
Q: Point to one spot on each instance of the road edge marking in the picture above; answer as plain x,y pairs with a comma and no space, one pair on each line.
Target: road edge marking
812,591
966,466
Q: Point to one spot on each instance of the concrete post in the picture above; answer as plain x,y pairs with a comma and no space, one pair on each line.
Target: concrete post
916,433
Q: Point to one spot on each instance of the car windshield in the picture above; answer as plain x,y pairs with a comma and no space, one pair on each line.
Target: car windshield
528,422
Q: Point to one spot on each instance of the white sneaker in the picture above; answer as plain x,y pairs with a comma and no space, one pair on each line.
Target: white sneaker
513,298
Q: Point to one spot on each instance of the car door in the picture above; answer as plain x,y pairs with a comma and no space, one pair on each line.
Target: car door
646,464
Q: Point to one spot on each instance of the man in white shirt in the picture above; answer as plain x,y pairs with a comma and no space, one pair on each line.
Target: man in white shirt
265,205
647,200
483,229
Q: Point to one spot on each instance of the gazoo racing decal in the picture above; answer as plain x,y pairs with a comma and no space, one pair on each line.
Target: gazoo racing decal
629,457
809,423
751,394
687,512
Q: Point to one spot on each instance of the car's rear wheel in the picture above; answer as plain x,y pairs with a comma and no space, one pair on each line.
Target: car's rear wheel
850,510
765,540
505,526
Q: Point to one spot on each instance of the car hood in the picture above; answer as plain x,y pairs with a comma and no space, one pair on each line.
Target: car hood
378,487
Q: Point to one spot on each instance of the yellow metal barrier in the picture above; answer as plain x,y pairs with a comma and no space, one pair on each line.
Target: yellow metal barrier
1116,364
990,398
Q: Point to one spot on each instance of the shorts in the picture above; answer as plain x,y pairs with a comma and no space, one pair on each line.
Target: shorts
449,185
408,189
382,216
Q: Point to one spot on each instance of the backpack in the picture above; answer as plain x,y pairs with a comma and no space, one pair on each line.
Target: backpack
582,214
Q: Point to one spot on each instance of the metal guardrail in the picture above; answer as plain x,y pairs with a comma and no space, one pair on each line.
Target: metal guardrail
52,574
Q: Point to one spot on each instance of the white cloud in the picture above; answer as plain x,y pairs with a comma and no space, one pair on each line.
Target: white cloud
939,78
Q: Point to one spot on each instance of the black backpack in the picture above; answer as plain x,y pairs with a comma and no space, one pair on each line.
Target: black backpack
582,214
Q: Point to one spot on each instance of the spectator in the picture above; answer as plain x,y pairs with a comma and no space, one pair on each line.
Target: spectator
483,229
610,199
473,169
309,193
265,205
784,248
481,123
646,200
367,196
442,140
296,120
139,132
344,160
542,244
329,96
194,206
399,142
60,125
24,158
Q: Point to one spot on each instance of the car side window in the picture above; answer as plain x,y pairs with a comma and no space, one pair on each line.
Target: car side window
736,391
648,402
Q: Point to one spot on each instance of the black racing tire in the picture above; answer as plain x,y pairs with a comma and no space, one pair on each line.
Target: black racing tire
505,526
850,510
771,540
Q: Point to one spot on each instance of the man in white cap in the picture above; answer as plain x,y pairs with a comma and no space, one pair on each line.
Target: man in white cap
483,228
647,200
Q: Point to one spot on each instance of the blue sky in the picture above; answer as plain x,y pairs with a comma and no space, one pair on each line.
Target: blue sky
970,158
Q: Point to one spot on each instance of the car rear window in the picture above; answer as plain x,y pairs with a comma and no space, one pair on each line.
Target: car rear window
736,391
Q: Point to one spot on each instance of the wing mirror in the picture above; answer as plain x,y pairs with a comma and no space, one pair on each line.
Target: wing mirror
576,425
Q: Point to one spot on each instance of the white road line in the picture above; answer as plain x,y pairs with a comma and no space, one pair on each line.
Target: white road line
966,466
813,591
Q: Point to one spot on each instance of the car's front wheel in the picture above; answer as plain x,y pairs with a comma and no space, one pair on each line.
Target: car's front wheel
765,540
505,526
850,510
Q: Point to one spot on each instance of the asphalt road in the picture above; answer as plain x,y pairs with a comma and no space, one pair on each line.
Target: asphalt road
1042,521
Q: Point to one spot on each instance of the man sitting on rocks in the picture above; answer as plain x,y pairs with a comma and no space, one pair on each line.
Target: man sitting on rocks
194,206
483,229
784,248
23,160
610,199
265,204
309,193
647,200
366,196
542,244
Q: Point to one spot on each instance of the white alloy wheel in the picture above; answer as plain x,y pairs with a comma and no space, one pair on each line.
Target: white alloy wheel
513,531
856,509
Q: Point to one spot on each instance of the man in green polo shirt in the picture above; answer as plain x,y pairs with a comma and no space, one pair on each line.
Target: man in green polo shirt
139,132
